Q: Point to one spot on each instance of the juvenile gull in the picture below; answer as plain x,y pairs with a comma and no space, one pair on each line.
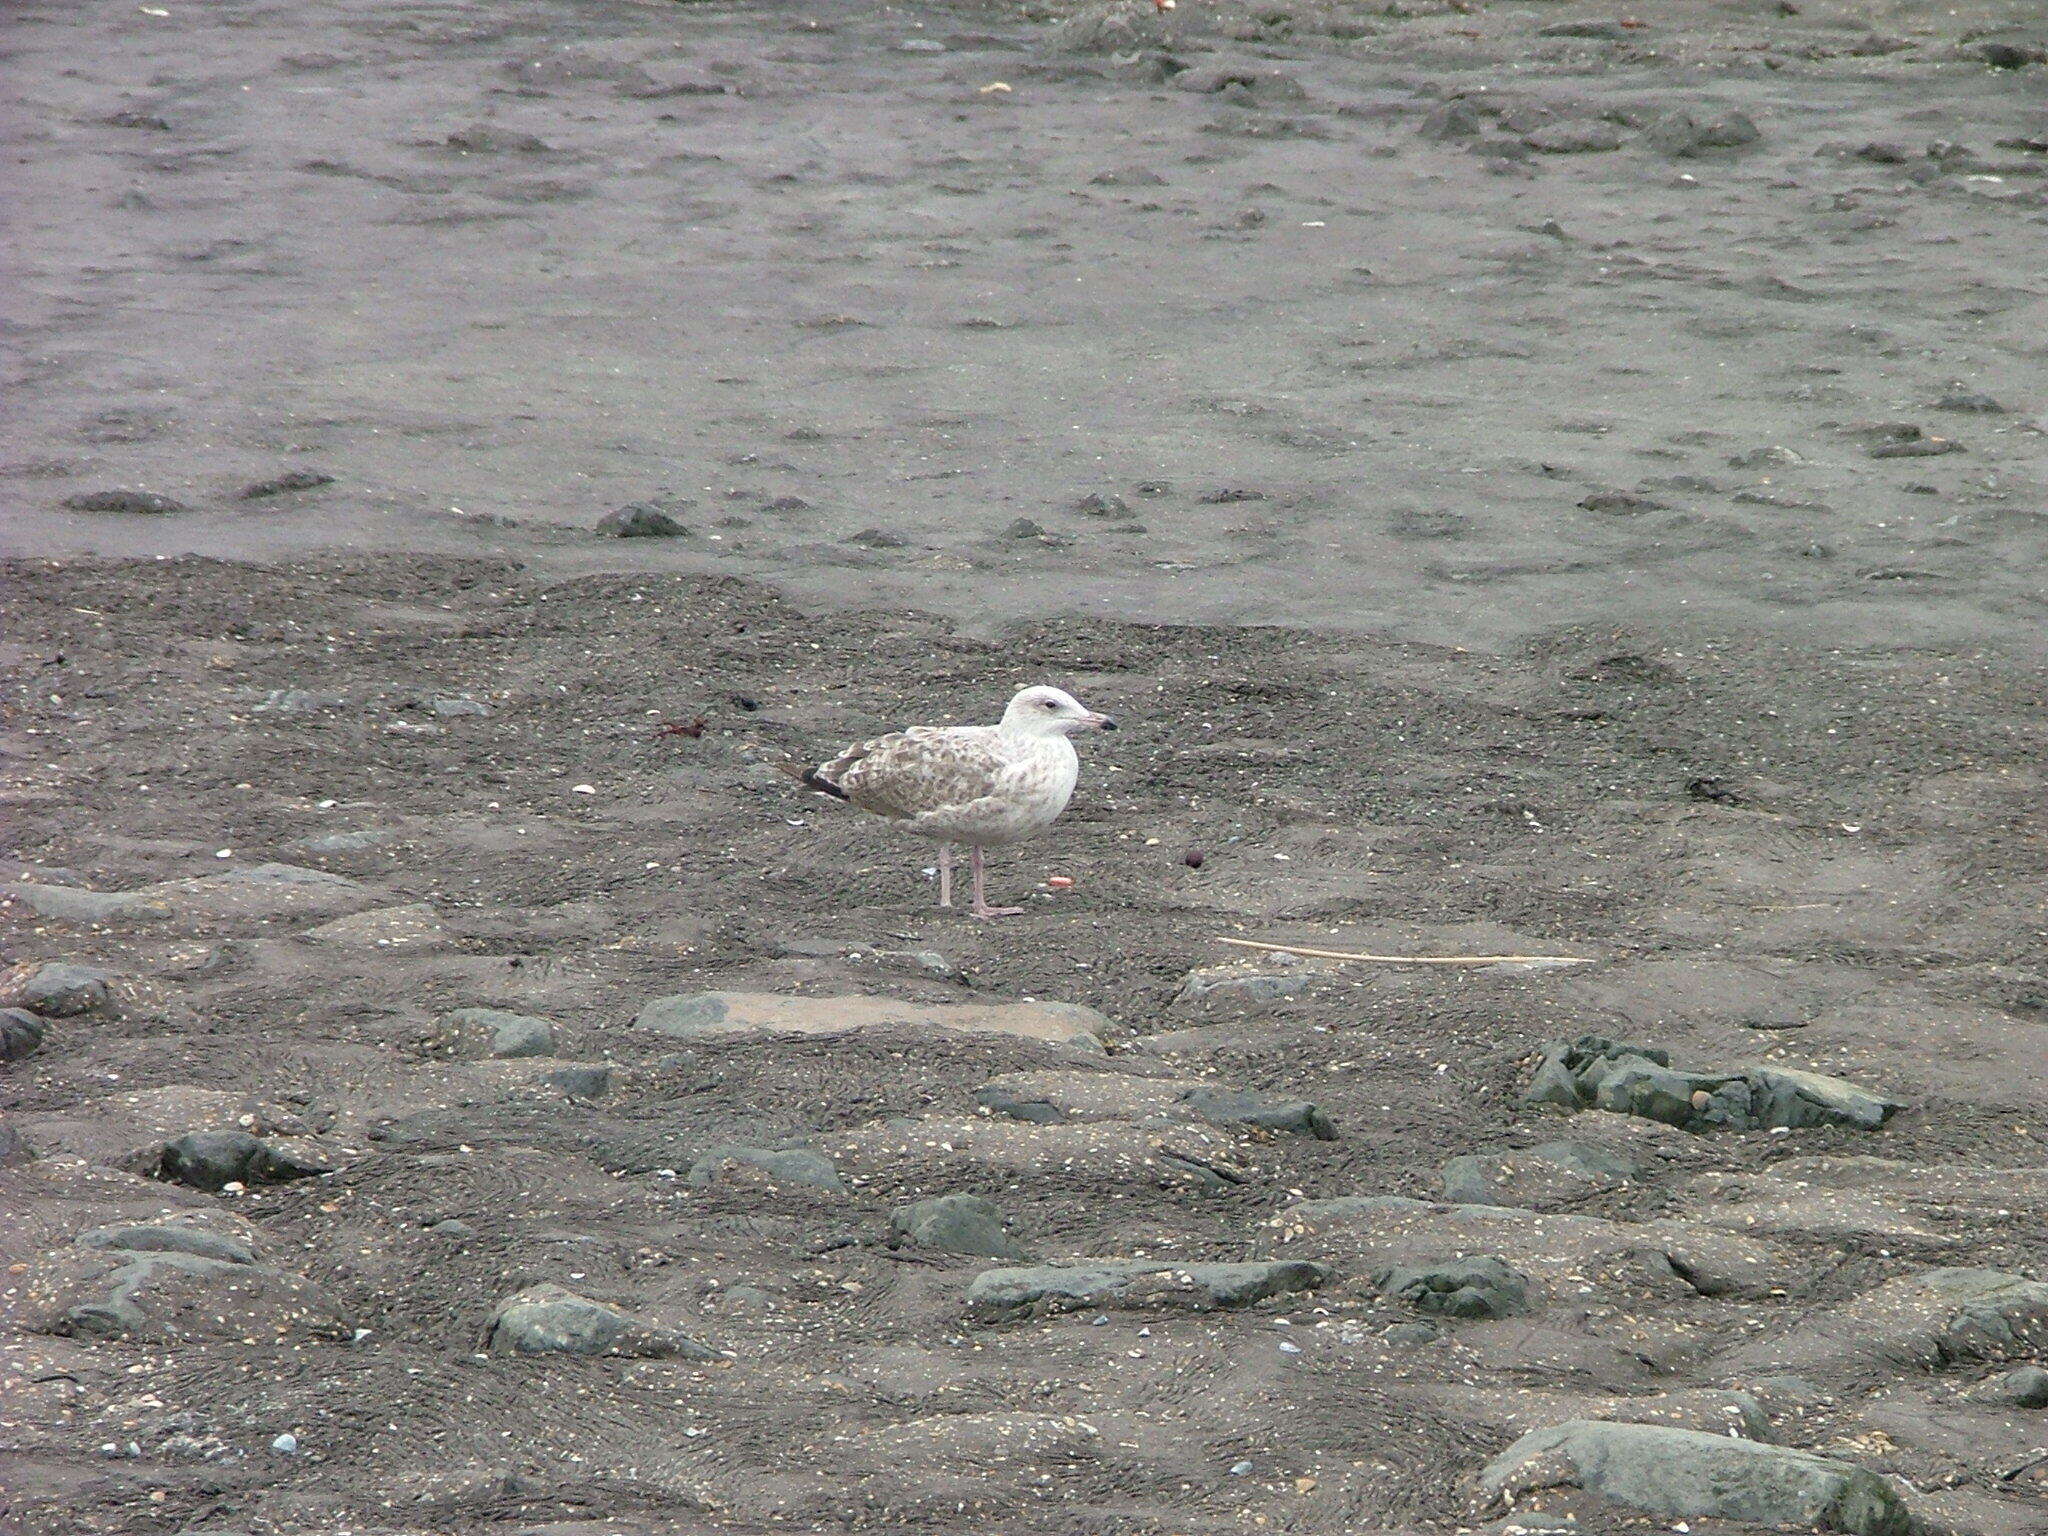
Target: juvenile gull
982,785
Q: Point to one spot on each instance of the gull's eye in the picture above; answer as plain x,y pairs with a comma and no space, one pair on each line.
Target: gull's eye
1048,704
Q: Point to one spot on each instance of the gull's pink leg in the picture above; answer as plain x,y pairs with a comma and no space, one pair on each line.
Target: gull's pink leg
945,874
981,908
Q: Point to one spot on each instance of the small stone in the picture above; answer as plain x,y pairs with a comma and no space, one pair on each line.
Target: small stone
1774,456
1964,400
1136,1284
139,502
640,520
877,538
61,991
922,45
286,1445
1024,528
456,705
1412,1335
1598,31
1574,138
1682,136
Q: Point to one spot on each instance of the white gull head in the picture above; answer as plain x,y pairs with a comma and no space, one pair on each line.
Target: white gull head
1051,712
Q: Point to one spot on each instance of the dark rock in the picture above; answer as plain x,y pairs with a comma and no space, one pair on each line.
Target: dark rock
790,1168
999,1099
169,1237
1411,1335
956,1224
1598,31
1688,1474
581,1080
2025,1387
211,1160
1254,82
61,991
552,1320
124,501
2010,55
1023,528
1682,136
14,1149
473,1033
640,520
1964,400
176,1298
291,480
1452,120
1592,1072
485,139
877,538
1135,1284
21,1033
1482,1286
1102,504
1916,448
1238,1106
1626,503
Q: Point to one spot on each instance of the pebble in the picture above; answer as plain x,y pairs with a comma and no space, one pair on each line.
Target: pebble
291,480
640,520
286,1445
140,502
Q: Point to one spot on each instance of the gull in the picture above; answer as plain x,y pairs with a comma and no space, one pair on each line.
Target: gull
981,785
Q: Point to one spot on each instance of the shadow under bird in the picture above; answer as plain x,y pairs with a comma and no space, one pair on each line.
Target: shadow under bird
981,786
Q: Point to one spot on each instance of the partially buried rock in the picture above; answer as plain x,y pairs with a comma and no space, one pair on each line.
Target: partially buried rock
147,503
2026,1387
1595,1072
1929,1320
1541,1175
169,1237
62,991
1685,1474
1137,1284
171,1297
790,1168
211,1160
1482,1286
955,1224
21,1033
290,480
475,1033
1574,138
1682,136
1239,988
416,927
553,1320
640,520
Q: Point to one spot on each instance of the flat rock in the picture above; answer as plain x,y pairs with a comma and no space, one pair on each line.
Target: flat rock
1684,1474
171,1297
1049,1098
956,1224
144,503
793,1168
2024,1387
473,1034
1924,1321
60,990
1239,988
553,1320
1135,1284
75,904
170,1236
909,1154
1566,1252
733,1015
1683,135
1630,1079
1538,1176
259,891
415,926
1777,1206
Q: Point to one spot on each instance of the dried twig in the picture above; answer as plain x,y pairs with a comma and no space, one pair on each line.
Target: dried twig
1339,954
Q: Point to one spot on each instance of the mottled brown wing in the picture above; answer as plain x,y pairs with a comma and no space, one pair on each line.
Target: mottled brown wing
916,772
